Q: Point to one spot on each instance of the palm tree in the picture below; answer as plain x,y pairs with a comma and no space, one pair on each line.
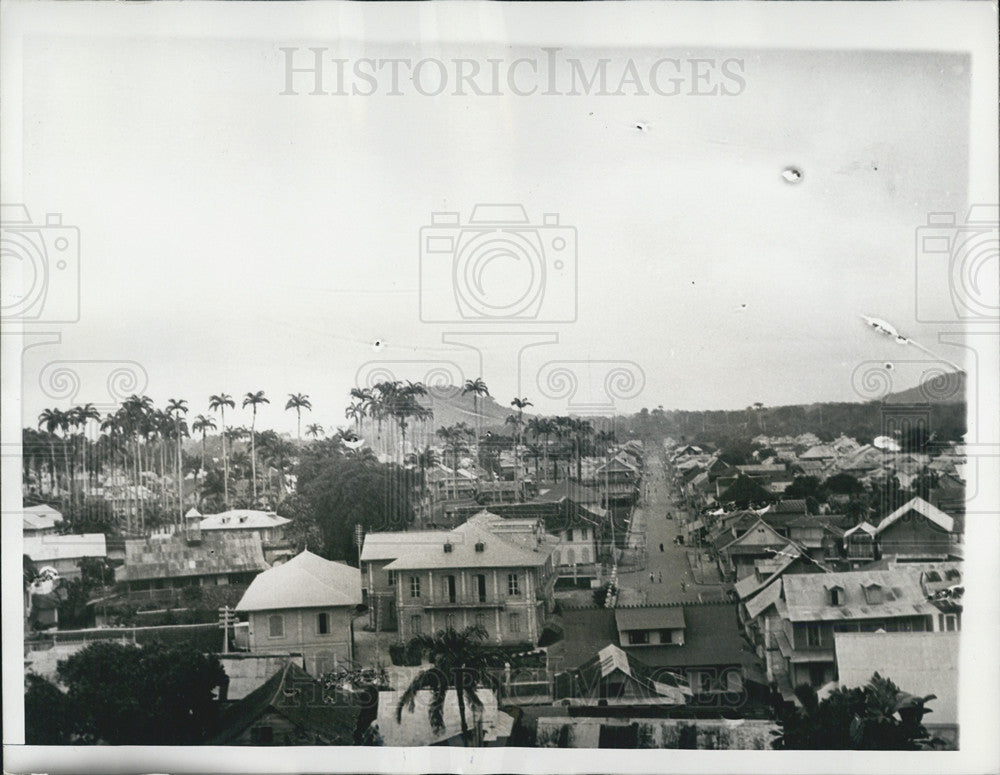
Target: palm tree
298,402
52,421
138,413
455,439
478,388
520,404
78,417
356,412
176,408
455,655
202,425
542,427
315,430
253,400
219,403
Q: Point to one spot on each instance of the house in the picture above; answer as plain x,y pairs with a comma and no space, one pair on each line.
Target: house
247,672
40,520
290,708
743,491
489,726
267,526
64,552
304,605
560,491
615,678
474,577
378,584
173,561
919,663
813,607
916,530
655,626
738,555
859,544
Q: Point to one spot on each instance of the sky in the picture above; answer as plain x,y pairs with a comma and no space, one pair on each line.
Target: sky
235,239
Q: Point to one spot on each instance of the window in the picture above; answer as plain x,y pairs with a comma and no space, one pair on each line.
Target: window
391,577
814,636
323,624
449,621
416,625
584,556
515,622
276,626
569,534
513,588
666,636
481,620
414,586
836,596
638,637
481,587
947,623
449,588
261,735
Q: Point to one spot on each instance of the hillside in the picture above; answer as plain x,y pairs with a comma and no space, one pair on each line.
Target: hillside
944,389
450,407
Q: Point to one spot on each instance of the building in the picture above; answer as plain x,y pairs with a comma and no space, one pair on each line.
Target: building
305,605
614,678
290,708
378,584
266,525
662,625
811,608
488,726
474,577
919,663
738,555
173,561
916,530
64,552
41,520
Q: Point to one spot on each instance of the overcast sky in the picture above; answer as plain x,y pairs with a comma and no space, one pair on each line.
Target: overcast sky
235,239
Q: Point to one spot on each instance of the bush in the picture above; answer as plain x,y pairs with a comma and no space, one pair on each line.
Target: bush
405,654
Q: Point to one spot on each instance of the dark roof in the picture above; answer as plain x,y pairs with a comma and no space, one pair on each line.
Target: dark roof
711,637
173,557
556,516
566,489
789,506
746,490
293,693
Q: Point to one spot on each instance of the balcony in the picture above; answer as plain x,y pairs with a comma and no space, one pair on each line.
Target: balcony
468,601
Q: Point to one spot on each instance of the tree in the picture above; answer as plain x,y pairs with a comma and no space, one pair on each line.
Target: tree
298,402
520,404
176,408
122,694
219,403
478,388
315,430
253,400
877,716
203,425
48,714
455,438
458,659
54,421
803,487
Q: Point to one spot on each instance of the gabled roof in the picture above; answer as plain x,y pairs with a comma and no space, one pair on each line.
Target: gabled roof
291,692
807,600
161,557
778,539
566,489
752,584
862,526
496,552
652,687
818,452
922,507
41,517
769,595
746,490
305,581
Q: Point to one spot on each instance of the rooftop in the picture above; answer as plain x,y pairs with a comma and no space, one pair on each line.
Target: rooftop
305,581
649,618
471,546
923,508
64,547
807,598
242,519
390,546
172,556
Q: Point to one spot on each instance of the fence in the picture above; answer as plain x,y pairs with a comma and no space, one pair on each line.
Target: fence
203,637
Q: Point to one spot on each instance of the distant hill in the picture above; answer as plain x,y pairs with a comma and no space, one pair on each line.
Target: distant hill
944,389
451,407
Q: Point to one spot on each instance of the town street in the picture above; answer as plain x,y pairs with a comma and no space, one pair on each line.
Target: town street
681,581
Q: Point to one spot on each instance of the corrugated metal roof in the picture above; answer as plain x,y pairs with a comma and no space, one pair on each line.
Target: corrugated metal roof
649,618
496,552
64,547
807,599
172,557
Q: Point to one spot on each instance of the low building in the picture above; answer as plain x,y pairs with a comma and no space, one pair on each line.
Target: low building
305,605
266,525
290,708
488,726
41,520
474,577
656,626
65,552
615,678
173,561
919,663
916,530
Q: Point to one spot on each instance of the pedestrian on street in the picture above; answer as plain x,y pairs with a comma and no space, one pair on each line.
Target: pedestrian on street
661,547
661,577
651,577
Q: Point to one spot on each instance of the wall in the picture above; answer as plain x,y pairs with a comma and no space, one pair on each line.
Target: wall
661,733
321,652
913,534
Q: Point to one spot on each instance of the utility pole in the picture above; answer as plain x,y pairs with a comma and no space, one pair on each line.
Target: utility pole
227,618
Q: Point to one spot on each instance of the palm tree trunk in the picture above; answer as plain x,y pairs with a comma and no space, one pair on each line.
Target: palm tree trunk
180,480
253,457
460,696
225,462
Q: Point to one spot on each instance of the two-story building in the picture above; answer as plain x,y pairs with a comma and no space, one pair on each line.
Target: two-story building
916,530
304,606
266,525
809,608
474,577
